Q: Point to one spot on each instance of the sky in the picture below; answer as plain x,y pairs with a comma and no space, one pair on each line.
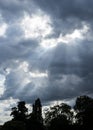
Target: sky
46,51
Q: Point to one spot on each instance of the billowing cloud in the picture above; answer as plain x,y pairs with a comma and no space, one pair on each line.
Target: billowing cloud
46,50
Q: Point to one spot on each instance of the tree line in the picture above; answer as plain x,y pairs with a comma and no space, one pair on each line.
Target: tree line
57,117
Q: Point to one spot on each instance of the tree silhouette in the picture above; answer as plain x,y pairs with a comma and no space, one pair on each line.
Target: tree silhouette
19,112
14,113
14,125
37,110
59,116
84,110
35,120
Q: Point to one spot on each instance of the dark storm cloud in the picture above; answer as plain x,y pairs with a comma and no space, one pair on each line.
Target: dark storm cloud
11,11
75,62
67,15
70,74
66,59
73,59
65,8
13,50
69,66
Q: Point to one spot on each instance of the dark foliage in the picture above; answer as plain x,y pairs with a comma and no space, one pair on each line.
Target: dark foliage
58,117
14,125
19,113
84,109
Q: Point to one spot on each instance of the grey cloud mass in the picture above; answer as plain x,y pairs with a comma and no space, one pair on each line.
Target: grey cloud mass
65,8
11,11
46,49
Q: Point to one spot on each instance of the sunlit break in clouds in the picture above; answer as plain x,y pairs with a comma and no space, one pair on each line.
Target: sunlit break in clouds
38,25
46,51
